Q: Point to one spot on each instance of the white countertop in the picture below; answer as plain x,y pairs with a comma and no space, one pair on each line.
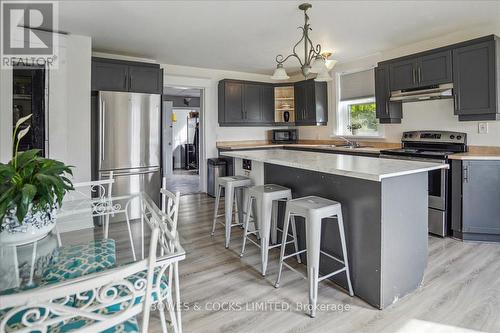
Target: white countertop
369,168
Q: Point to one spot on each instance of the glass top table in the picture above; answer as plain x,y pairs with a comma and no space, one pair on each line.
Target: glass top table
106,241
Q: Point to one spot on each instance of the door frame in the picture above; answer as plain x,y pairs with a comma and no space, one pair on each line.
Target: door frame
204,85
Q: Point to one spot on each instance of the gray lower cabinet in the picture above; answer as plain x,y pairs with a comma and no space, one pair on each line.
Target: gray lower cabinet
119,75
245,103
387,112
476,199
476,81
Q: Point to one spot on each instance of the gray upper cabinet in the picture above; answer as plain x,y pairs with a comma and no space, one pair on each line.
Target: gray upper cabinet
118,75
476,81
421,71
247,103
108,76
311,103
252,102
267,104
144,79
244,103
434,69
233,102
472,66
403,74
387,112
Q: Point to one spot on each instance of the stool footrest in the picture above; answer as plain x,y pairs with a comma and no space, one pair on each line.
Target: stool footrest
293,254
232,225
332,257
279,245
331,274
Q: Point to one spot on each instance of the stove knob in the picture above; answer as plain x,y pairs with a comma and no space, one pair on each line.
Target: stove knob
459,137
452,137
410,135
406,135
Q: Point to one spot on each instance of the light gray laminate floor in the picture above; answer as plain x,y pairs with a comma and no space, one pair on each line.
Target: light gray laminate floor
461,287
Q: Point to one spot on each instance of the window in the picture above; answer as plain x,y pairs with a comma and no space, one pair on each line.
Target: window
356,111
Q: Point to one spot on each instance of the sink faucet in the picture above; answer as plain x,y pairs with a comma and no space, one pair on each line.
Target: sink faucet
352,144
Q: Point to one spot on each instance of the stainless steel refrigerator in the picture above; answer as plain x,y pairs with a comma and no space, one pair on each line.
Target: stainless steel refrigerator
129,143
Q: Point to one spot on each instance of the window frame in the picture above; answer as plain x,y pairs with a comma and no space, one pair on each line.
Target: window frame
341,113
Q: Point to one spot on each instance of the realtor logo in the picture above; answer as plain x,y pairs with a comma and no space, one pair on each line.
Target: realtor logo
27,32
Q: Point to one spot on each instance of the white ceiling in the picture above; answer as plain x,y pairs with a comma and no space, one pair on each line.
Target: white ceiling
247,35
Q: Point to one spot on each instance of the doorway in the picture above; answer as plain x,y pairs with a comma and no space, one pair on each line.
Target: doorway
181,156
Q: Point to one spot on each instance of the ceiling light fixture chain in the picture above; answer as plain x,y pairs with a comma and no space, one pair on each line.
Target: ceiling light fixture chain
314,61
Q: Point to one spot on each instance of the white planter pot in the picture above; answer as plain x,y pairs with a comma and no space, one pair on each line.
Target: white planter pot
36,225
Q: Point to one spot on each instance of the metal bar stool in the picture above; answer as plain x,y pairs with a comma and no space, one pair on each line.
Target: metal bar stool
230,184
266,198
313,209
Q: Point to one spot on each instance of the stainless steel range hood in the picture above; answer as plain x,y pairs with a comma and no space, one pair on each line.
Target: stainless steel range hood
423,94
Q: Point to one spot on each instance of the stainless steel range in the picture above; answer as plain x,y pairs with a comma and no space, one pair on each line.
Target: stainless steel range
433,146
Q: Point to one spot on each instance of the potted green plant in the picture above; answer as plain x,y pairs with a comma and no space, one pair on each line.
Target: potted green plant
354,127
31,190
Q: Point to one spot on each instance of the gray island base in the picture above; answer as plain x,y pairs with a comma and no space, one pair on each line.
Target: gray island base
385,216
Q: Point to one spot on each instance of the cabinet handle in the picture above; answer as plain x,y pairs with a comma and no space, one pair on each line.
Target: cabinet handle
125,81
414,76
419,74
130,81
465,174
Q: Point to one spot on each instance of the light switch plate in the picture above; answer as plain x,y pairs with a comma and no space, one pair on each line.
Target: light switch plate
482,128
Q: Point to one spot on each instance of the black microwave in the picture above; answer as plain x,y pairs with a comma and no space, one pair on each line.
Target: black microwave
285,136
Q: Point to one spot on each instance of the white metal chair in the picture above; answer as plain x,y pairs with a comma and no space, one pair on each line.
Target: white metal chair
93,303
102,205
170,207
99,301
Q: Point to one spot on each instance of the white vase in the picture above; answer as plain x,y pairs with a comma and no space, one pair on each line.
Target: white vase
36,225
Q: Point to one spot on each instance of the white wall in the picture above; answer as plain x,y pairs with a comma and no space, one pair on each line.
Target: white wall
68,107
437,115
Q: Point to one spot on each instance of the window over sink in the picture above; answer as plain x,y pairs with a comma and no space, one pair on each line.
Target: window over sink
356,110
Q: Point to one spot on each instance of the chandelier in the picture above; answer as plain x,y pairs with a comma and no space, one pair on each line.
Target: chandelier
314,62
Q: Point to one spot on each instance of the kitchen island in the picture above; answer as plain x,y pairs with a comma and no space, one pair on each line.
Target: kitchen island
384,204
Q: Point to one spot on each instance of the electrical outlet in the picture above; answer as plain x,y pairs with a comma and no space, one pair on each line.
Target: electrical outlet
482,128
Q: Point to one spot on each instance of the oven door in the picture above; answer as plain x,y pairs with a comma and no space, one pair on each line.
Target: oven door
437,180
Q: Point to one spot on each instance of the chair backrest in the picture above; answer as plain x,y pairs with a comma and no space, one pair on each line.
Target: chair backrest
90,303
170,205
102,188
